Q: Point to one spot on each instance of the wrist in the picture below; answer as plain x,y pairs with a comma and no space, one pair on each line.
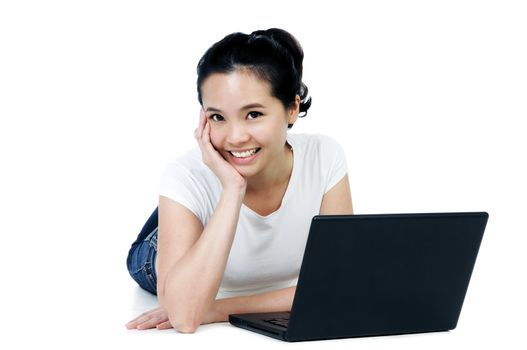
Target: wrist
220,314
215,314
237,191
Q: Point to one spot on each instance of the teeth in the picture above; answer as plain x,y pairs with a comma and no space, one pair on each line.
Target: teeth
244,154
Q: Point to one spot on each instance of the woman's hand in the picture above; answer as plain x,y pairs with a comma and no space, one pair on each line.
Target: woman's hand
158,318
228,175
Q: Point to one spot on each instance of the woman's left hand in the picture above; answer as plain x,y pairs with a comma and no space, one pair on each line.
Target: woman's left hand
158,318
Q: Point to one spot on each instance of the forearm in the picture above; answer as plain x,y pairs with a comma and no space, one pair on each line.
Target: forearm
273,301
192,284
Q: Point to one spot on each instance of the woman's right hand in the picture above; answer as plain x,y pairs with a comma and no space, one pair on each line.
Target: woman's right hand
158,318
155,318
229,177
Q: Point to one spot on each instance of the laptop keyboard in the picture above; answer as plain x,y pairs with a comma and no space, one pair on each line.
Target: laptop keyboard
281,321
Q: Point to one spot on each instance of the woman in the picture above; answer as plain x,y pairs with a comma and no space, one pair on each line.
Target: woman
234,213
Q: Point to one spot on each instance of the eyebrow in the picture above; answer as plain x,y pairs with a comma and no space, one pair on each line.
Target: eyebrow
251,105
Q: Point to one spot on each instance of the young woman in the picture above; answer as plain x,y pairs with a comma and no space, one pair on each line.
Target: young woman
234,213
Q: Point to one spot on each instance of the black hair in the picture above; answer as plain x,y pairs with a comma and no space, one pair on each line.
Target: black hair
273,55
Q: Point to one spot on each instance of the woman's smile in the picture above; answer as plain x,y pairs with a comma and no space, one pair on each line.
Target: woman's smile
246,157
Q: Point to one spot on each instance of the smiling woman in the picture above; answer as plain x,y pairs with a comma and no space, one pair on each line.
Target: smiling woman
239,127
234,213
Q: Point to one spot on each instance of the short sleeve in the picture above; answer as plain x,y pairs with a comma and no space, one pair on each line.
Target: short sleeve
178,185
337,166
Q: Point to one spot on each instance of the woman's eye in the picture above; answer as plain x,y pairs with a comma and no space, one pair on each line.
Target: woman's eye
219,118
255,114
216,115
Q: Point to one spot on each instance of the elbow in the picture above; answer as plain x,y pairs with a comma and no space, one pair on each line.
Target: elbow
183,315
184,324
182,318
188,329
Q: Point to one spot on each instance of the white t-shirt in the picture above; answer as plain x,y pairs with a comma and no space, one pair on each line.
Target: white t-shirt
267,251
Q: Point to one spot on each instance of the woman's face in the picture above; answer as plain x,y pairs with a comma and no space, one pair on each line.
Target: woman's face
243,116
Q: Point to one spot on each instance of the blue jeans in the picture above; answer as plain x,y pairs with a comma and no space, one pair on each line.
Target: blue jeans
142,255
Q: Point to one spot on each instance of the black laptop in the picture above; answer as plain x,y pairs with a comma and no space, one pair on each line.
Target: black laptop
380,274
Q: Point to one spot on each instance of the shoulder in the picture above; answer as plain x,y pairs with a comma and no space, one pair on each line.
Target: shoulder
315,144
187,180
188,159
189,170
321,155
189,163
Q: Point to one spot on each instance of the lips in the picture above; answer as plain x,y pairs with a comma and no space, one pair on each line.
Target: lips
248,159
245,153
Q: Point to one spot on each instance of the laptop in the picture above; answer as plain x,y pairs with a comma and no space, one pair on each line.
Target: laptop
379,274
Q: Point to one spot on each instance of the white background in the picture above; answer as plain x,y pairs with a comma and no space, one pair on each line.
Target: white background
427,98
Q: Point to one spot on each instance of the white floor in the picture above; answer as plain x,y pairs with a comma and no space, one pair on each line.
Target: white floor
81,296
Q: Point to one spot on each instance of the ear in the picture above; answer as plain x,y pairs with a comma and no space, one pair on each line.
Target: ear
293,111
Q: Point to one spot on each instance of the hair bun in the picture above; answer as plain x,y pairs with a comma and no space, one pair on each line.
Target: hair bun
284,39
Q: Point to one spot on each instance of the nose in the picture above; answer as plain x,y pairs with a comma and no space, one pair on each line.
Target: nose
238,134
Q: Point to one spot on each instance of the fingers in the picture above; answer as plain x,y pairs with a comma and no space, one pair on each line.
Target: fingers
206,137
198,133
149,320
205,132
202,135
164,325
134,324
138,320
152,322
